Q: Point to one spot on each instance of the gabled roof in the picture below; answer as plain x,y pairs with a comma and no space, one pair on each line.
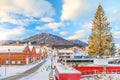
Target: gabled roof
37,50
18,49
42,50
30,47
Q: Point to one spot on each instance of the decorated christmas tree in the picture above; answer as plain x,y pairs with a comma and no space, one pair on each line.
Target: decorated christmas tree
101,39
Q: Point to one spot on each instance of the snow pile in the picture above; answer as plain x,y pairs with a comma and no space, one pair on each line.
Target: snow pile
113,76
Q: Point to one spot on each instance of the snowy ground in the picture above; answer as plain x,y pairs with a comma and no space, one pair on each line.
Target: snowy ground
6,71
113,76
41,74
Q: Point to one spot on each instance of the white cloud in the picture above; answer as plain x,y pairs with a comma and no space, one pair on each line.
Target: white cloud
73,9
113,11
77,35
26,8
14,33
113,16
117,46
54,26
87,26
116,34
63,33
47,20
36,8
16,21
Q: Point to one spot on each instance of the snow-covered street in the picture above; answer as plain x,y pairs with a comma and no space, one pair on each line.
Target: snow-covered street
6,71
42,72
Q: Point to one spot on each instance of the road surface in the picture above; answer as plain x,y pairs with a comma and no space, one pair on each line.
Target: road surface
41,74
26,73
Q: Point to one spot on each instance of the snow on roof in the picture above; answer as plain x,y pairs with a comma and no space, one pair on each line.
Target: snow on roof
80,54
4,49
68,70
37,50
41,50
65,51
30,47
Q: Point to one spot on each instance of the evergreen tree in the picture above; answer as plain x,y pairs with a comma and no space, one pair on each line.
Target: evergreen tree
112,49
101,38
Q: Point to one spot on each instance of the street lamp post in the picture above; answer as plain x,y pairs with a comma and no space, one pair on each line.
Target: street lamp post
0,62
8,56
65,62
51,63
52,60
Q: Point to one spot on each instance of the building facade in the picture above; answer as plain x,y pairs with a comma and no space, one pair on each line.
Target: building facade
19,55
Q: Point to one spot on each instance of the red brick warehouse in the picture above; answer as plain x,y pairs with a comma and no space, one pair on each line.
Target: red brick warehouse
18,55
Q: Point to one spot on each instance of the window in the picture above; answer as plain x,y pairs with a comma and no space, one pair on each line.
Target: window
6,62
18,62
13,62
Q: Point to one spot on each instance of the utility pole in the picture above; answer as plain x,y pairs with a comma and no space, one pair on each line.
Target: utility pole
51,62
0,62
8,56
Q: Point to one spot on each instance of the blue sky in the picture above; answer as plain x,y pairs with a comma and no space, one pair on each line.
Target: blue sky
70,19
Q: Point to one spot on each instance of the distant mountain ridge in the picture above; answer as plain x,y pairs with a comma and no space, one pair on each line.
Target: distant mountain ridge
78,43
7,42
48,40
